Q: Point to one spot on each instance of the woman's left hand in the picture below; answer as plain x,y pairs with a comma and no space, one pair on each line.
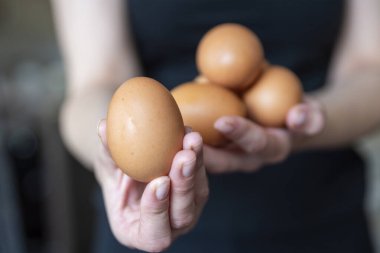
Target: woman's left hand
253,146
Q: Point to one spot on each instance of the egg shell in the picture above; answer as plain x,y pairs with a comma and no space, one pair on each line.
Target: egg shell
201,79
230,55
270,98
144,128
202,105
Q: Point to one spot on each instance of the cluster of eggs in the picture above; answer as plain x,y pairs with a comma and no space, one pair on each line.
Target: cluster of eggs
145,122
235,79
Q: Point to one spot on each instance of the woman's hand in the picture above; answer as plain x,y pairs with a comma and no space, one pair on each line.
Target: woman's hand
253,146
150,216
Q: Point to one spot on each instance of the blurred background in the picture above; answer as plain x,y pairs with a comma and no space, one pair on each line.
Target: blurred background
45,201
45,195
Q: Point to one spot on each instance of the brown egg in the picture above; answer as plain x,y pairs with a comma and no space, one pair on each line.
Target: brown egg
144,128
201,79
230,55
270,98
202,105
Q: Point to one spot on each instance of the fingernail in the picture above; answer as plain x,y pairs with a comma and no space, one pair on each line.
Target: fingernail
224,125
188,170
300,118
98,128
162,189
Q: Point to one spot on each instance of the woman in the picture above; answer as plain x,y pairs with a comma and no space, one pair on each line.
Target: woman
302,188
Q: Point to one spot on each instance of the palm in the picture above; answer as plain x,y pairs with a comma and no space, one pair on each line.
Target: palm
123,205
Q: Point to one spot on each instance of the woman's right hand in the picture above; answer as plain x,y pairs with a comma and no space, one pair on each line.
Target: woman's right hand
150,216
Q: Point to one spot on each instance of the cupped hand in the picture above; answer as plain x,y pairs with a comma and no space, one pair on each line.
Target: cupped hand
150,216
253,146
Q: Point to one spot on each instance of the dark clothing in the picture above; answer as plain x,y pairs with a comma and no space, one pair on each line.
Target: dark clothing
298,34
312,202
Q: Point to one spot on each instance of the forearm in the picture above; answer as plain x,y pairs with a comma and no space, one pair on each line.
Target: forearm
79,116
351,107
99,55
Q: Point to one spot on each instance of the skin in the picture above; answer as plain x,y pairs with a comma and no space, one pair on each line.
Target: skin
150,216
141,215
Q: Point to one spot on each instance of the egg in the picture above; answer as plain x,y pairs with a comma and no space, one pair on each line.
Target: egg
201,79
270,98
202,105
144,128
230,55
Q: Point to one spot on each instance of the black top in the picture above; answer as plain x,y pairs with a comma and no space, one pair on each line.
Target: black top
313,202
298,34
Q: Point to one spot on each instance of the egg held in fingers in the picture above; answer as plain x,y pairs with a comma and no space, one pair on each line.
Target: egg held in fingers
144,129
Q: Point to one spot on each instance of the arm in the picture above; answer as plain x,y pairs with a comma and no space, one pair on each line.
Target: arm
98,54
98,57
338,115
351,99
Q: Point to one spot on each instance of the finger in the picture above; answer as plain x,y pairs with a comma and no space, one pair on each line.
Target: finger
201,187
243,132
218,160
278,146
182,192
224,161
194,142
306,119
154,232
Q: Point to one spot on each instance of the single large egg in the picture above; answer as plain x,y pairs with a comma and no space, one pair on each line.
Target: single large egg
270,98
144,128
202,104
230,55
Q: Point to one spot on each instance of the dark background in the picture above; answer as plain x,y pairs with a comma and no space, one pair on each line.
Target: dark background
45,195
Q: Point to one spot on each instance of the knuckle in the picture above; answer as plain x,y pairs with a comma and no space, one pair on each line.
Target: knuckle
184,189
197,141
149,210
241,130
184,221
255,145
249,146
254,140
260,142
